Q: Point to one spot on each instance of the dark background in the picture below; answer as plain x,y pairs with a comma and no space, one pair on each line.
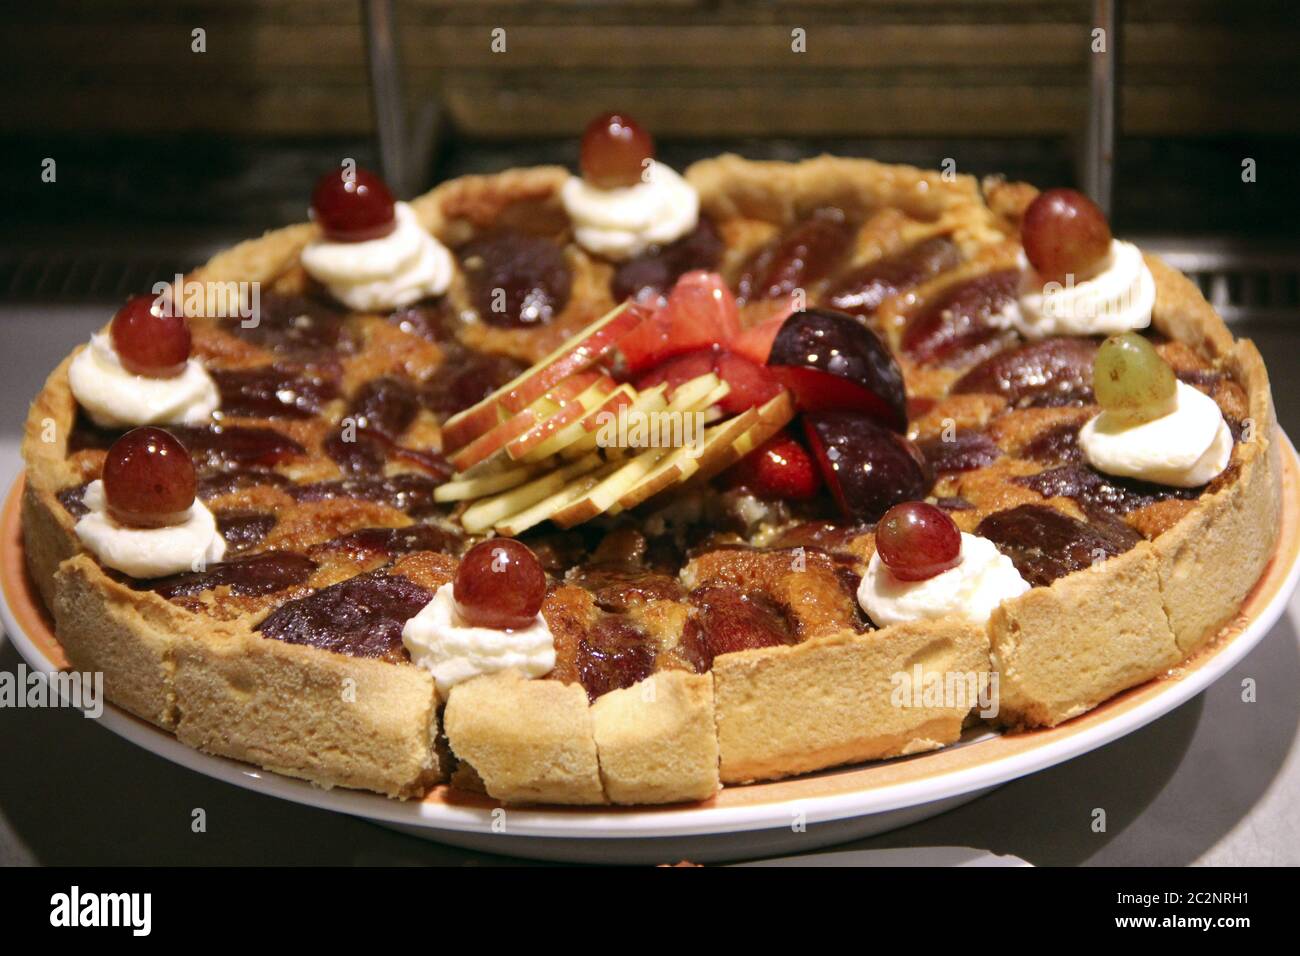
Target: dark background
151,135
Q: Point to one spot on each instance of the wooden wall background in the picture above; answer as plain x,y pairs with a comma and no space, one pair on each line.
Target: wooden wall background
693,68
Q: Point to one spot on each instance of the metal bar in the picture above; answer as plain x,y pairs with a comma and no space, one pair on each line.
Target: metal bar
389,104
1103,103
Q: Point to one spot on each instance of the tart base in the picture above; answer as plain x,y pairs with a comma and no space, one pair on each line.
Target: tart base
760,714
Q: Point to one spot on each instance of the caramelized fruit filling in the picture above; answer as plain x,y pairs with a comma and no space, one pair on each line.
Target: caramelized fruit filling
303,500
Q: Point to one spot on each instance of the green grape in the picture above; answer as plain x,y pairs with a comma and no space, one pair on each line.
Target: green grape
1130,378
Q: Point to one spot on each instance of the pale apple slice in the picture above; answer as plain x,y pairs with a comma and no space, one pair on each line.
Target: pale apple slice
482,515
638,467
563,440
515,427
473,486
597,499
773,415
693,395
570,411
519,522
575,354
685,462
651,400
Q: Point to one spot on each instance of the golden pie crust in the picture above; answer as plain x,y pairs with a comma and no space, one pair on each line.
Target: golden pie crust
336,720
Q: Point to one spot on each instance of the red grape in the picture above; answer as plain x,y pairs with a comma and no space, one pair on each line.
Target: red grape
1064,232
916,541
353,209
147,343
499,584
614,150
149,479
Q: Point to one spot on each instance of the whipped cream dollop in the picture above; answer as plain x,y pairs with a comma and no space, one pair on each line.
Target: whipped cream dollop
390,272
983,578
1116,297
626,221
116,398
149,552
1186,447
453,651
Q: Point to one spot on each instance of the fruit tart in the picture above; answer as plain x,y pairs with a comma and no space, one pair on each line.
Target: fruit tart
622,485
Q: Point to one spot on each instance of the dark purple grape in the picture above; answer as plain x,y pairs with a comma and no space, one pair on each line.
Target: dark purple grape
516,280
958,325
614,654
830,361
862,290
274,391
868,468
1044,374
254,576
967,450
361,617
917,541
807,252
655,272
1045,544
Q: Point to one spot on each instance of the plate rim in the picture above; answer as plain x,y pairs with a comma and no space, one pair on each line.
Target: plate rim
1022,754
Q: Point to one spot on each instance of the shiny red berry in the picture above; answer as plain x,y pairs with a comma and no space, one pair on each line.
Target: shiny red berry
614,151
780,468
353,206
916,540
149,478
150,343
499,584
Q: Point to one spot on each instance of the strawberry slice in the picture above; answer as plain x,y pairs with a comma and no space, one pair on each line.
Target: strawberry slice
755,343
751,385
779,468
678,370
701,312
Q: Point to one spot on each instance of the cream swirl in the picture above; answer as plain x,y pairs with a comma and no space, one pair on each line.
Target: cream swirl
1185,448
116,398
983,578
626,221
1116,297
453,651
390,272
149,552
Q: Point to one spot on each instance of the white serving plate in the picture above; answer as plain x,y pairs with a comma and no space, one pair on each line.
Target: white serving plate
786,816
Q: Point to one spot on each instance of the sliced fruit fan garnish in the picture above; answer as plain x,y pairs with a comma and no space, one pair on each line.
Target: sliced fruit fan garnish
545,445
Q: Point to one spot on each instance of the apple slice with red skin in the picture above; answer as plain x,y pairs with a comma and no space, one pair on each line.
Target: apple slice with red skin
562,438
525,422
579,352
571,410
832,361
867,467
